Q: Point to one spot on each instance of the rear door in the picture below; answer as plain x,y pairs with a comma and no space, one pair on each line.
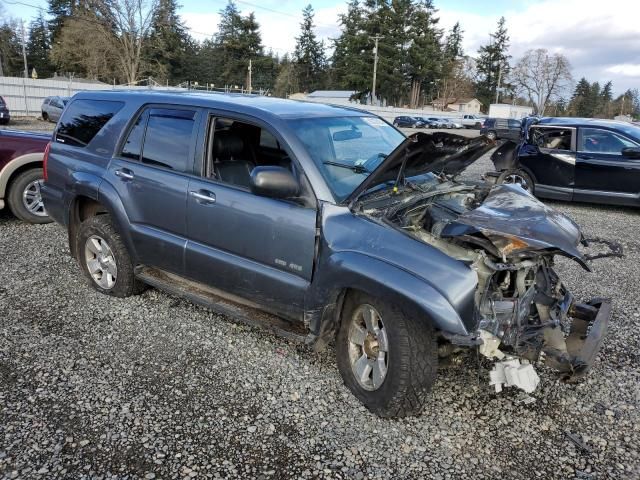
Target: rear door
151,174
550,155
601,169
514,127
260,249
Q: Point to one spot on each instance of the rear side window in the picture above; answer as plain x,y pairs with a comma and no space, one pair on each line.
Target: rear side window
168,138
83,120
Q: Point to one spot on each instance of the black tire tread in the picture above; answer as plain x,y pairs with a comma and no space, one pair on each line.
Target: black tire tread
126,282
14,197
416,365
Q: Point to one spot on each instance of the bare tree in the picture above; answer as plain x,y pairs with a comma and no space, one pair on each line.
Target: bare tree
542,77
457,81
127,25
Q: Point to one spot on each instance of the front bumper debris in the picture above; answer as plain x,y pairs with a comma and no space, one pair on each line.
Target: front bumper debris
573,356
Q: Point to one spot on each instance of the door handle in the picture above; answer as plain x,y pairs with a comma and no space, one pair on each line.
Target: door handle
124,174
203,196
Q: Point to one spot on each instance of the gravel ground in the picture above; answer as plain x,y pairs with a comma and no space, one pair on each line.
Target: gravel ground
156,387
29,123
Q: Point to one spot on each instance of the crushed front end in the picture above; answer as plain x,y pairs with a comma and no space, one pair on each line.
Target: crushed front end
523,311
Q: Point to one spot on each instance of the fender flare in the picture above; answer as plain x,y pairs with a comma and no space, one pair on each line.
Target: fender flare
378,278
95,188
11,167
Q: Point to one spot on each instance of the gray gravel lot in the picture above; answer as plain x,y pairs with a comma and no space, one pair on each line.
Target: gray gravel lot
156,387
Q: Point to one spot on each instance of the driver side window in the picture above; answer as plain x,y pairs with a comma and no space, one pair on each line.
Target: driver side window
551,138
595,140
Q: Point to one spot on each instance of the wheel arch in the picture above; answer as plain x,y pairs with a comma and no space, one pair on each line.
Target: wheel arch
356,272
84,206
17,166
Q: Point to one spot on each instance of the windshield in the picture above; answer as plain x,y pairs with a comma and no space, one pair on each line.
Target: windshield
346,149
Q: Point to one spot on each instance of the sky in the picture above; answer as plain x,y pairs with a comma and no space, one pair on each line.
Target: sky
600,39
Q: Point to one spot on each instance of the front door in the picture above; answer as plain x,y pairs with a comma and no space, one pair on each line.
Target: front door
602,171
549,154
257,248
150,174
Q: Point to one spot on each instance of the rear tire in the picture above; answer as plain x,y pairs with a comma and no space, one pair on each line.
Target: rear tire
45,116
491,135
25,200
104,259
407,370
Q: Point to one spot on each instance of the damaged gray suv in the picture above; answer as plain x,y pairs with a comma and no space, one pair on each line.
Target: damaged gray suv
322,224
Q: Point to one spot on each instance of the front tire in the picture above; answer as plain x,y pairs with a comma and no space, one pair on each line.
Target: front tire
386,358
104,258
25,199
517,177
491,135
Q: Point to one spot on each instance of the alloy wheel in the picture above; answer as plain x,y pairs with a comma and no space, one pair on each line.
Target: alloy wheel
32,198
368,347
517,179
101,262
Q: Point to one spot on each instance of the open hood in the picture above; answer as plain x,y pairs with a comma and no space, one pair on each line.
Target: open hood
421,153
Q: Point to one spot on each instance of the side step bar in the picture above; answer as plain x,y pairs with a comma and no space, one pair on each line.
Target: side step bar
222,303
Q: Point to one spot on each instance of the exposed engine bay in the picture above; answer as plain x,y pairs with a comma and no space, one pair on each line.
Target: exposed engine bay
523,312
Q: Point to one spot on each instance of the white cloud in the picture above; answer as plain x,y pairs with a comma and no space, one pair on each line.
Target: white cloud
602,41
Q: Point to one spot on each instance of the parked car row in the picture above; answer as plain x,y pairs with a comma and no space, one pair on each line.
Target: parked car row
406,121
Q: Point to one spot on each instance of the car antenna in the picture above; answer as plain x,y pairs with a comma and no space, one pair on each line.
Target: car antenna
401,171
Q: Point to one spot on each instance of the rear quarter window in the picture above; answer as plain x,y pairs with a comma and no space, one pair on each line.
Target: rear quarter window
83,119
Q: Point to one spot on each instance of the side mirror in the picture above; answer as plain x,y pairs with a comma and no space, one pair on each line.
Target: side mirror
631,152
274,182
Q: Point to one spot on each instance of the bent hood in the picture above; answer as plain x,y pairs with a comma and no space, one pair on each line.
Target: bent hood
509,211
421,153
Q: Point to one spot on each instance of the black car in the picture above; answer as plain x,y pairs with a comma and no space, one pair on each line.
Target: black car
502,128
5,115
578,159
427,123
407,122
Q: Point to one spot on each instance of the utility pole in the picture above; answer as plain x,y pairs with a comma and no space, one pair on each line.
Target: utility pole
24,52
375,66
249,86
499,80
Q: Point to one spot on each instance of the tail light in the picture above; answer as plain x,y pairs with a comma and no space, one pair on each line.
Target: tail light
45,160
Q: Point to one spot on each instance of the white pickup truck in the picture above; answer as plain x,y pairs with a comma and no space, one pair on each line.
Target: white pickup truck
471,121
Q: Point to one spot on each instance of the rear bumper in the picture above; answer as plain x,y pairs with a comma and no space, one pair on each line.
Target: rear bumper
588,329
54,203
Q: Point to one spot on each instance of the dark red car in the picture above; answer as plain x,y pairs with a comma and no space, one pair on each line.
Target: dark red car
21,174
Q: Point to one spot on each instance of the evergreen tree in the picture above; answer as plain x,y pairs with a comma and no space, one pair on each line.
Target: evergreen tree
424,52
39,48
11,49
309,55
493,62
170,51
351,65
238,40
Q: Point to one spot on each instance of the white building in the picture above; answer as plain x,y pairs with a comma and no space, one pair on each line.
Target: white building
505,110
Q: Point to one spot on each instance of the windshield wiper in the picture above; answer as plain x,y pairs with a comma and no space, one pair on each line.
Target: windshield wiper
353,168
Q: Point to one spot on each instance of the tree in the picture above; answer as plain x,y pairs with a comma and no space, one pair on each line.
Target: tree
83,50
11,48
351,66
424,50
170,50
238,40
543,77
455,78
39,47
492,64
309,58
580,99
118,30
